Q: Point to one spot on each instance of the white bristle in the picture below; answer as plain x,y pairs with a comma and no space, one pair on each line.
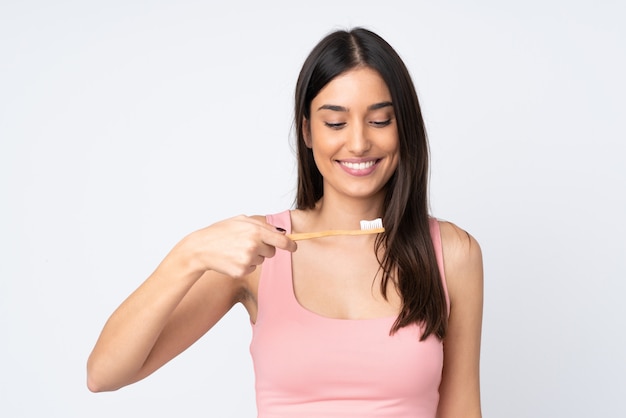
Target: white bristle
374,224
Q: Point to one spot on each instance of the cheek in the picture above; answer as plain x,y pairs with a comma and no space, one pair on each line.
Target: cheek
394,152
324,140
393,147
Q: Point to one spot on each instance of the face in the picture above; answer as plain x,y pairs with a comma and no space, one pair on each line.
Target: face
353,134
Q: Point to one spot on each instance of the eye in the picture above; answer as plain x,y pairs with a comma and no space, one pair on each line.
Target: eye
336,126
382,123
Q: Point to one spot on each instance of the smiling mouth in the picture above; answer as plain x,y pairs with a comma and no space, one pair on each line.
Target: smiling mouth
358,166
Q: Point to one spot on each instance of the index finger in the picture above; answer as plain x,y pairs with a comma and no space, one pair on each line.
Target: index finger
277,238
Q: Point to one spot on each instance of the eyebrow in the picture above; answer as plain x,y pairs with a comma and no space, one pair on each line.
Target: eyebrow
337,108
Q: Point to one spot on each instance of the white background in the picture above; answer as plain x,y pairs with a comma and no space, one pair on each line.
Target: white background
125,125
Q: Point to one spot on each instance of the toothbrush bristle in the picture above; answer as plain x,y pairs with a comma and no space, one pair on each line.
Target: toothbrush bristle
374,224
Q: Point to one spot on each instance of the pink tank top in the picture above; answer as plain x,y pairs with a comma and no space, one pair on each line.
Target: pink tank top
308,365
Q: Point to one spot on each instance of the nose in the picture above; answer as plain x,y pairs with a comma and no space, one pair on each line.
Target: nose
357,142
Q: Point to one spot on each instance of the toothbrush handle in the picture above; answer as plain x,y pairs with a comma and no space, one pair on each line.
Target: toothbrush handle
320,234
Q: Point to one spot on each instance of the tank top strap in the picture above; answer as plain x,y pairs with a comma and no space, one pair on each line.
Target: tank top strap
275,292
281,220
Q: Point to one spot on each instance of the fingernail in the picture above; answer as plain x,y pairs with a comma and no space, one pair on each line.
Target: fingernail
280,229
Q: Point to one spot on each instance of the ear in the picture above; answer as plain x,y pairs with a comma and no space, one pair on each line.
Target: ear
306,132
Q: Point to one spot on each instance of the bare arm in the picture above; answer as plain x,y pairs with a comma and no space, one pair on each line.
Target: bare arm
460,385
194,286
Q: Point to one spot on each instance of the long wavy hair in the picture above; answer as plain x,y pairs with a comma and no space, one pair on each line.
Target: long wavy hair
408,258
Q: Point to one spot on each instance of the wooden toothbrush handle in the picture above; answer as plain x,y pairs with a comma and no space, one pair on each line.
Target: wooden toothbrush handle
320,234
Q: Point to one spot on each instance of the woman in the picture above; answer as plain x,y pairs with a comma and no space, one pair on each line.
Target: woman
386,325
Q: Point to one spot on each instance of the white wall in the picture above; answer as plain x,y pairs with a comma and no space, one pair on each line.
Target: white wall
125,125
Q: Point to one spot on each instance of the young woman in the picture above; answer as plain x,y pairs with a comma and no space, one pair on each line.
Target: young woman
379,325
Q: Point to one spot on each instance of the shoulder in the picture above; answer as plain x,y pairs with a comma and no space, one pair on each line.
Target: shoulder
460,248
460,384
462,256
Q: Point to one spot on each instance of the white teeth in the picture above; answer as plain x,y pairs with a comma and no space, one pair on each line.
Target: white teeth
358,166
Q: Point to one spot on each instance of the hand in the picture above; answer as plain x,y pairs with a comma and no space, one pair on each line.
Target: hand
235,246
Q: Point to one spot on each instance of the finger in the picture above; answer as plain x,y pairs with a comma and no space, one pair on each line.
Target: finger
257,260
266,250
276,236
258,221
280,240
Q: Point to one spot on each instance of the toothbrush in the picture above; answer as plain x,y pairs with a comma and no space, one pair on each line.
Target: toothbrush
367,227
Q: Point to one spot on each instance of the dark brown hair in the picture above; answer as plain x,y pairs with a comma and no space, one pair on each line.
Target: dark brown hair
408,254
